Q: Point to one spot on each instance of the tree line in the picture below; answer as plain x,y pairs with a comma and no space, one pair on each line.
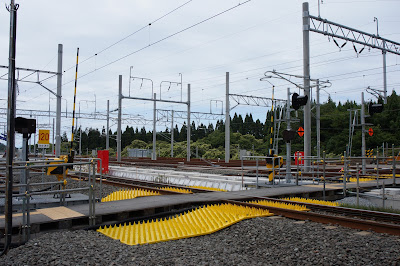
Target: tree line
254,135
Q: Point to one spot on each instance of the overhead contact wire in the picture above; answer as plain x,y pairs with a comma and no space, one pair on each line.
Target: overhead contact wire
163,39
133,33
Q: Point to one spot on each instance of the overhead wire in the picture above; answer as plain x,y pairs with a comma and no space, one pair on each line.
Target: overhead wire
131,34
117,42
161,40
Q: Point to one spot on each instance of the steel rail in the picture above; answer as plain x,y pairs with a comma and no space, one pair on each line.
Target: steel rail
149,185
393,229
376,215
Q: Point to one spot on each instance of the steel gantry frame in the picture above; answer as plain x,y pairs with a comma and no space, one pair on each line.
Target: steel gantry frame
57,94
172,114
154,100
319,85
339,31
127,118
241,99
336,30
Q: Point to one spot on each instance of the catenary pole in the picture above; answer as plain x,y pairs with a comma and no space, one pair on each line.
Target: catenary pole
59,95
73,111
363,145
288,142
119,119
306,74
108,126
227,122
154,155
10,125
188,126
384,75
318,122
172,134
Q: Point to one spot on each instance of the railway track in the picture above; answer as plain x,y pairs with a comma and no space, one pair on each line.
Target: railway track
130,183
353,218
355,223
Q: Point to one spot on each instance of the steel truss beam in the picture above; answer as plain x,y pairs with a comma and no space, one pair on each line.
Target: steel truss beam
161,113
252,100
127,118
335,30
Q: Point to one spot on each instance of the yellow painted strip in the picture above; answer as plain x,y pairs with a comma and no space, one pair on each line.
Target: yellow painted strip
59,213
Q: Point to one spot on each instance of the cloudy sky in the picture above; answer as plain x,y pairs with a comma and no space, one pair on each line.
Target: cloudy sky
251,38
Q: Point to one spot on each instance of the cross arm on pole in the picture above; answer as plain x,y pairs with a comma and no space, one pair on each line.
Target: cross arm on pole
336,30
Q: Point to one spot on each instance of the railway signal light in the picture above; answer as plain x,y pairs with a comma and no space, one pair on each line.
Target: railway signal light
375,108
298,101
288,135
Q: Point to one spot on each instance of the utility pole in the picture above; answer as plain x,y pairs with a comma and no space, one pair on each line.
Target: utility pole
288,142
108,126
80,141
172,134
384,62
363,144
306,74
318,123
54,148
188,126
59,95
384,75
227,122
119,119
154,155
10,125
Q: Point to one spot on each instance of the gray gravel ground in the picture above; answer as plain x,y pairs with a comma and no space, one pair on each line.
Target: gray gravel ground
258,241
353,201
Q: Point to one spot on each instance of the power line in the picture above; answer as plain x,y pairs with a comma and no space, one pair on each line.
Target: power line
161,40
130,35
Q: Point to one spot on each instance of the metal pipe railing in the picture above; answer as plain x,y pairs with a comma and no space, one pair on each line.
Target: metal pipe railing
26,196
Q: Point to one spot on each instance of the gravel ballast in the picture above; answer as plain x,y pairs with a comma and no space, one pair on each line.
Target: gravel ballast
258,241
72,183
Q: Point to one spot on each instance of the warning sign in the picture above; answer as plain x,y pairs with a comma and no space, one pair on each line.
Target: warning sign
370,132
44,138
300,131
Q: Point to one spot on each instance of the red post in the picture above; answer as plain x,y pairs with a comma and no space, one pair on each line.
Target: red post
104,156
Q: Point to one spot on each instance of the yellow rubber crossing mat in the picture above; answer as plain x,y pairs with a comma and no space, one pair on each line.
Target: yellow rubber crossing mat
201,221
59,213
